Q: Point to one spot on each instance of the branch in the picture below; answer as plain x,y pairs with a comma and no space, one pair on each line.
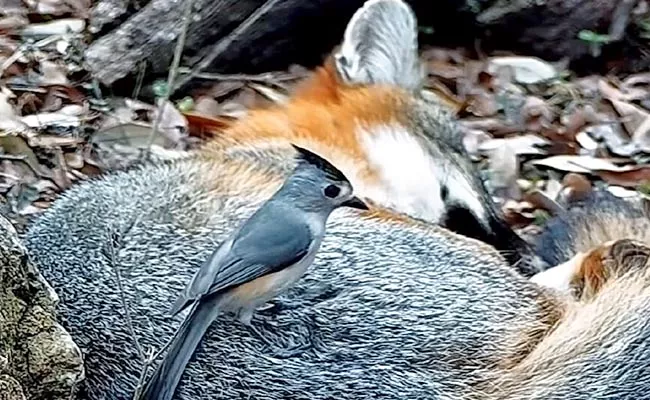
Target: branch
224,43
171,76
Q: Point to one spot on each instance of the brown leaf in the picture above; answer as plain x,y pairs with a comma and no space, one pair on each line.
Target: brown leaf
627,178
445,70
482,104
51,141
631,116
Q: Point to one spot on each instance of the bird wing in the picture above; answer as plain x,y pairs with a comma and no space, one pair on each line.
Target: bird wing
267,243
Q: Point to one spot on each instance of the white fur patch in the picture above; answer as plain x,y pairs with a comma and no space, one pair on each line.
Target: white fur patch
411,179
559,277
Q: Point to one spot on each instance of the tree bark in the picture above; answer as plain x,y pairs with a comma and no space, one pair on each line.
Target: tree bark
303,31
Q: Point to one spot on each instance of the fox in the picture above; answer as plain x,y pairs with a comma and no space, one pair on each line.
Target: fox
366,110
397,304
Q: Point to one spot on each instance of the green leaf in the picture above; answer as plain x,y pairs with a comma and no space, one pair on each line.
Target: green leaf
593,37
160,88
185,104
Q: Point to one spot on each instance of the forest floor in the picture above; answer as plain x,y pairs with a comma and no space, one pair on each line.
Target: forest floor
539,133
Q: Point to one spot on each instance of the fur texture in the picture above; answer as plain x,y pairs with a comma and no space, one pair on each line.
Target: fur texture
422,314
599,218
392,308
400,148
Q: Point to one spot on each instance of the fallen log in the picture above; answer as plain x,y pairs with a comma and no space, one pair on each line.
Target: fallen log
230,36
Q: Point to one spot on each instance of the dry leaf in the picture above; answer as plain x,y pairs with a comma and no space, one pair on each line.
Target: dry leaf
172,123
272,94
58,119
56,27
207,106
626,178
586,141
622,192
631,116
519,145
526,70
580,164
53,74
482,104
504,171
472,140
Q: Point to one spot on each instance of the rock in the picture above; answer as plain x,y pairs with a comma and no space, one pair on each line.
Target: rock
38,358
10,389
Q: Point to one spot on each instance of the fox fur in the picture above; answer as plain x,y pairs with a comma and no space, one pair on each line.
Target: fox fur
394,306
364,110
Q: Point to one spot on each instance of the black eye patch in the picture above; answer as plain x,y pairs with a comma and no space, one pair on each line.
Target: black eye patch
332,191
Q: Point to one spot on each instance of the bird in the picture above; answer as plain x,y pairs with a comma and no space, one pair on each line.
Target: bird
259,260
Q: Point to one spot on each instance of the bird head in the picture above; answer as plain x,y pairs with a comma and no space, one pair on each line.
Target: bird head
320,183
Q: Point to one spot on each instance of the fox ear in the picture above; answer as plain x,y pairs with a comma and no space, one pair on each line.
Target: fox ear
380,46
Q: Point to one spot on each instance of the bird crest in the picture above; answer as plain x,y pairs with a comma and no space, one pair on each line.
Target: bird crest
319,162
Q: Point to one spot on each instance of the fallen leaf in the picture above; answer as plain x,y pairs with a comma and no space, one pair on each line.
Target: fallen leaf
44,120
272,94
615,140
482,104
444,69
172,123
626,178
626,93
206,106
622,192
56,27
631,116
49,141
526,70
586,141
580,164
519,145
74,160
53,74
504,171
539,200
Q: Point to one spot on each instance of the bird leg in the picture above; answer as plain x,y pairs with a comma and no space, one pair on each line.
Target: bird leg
246,317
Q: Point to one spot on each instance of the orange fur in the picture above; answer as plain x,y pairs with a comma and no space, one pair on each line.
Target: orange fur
607,262
322,116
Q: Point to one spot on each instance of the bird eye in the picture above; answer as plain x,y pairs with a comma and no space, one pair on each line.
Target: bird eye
332,191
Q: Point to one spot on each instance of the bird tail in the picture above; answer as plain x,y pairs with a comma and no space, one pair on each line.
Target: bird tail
163,382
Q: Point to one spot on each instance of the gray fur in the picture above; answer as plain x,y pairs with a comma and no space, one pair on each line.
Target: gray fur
385,312
380,46
379,315
278,243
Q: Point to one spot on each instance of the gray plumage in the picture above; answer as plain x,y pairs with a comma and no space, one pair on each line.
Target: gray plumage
263,257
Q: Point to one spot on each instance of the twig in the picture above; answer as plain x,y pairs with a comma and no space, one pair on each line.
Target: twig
267,77
129,322
171,76
620,19
224,43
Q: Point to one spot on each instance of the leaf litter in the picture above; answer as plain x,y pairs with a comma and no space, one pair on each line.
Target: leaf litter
540,136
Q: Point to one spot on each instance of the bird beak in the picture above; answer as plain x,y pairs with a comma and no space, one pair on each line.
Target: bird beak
355,202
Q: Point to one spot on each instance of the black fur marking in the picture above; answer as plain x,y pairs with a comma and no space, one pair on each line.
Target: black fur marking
462,221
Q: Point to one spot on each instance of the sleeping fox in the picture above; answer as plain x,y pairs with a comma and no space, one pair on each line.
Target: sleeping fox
365,110
394,306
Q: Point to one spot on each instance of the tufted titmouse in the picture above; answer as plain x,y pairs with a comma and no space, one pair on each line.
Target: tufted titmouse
262,258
